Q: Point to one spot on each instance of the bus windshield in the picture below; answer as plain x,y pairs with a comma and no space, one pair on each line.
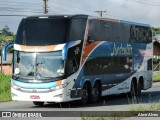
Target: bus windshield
38,65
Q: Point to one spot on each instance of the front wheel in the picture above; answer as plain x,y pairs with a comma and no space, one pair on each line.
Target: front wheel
132,92
37,103
139,88
85,94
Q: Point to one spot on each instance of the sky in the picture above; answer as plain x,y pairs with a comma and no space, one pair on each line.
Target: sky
142,11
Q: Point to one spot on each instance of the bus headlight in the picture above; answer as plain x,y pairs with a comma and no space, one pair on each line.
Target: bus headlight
59,87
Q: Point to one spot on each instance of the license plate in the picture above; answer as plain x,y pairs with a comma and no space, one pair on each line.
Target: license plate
34,97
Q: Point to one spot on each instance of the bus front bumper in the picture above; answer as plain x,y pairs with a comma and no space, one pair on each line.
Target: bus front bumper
38,95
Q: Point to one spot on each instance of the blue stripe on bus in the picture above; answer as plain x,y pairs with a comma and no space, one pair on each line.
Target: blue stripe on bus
34,85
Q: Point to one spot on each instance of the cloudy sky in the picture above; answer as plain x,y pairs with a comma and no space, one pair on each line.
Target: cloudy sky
143,11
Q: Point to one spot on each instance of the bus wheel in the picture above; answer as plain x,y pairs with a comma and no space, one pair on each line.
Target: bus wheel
132,92
96,93
38,103
139,88
85,94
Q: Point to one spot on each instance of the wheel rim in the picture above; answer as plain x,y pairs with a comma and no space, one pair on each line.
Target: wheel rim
139,88
95,92
84,94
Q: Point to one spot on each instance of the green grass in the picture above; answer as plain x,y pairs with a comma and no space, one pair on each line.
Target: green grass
156,76
143,108
5,94
133,111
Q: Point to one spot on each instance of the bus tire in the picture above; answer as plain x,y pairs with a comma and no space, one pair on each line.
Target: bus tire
37,103
96,93
139,88
132,92
85,93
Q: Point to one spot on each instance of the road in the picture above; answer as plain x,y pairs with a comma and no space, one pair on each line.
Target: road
108,103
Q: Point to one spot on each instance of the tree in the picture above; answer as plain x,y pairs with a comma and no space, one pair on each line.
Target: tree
6,31
156,30
6,36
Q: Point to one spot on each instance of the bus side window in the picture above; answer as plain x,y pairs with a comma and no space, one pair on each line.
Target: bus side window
100,30
106,31
116,31
94,30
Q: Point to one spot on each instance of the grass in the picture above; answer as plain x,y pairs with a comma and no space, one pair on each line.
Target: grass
5,94
152,107
102,118
133,111
156,76
143,108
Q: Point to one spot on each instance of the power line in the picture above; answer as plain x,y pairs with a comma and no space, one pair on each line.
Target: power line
60,7
101,12
72,6
45,7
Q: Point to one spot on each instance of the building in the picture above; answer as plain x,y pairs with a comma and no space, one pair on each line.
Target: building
156,53
6,66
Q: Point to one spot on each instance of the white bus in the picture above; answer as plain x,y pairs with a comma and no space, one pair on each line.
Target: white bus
63,58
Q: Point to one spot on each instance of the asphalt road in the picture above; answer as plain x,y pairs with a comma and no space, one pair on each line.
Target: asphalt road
108,103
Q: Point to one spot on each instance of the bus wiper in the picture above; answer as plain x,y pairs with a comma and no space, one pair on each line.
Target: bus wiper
48,77
15,77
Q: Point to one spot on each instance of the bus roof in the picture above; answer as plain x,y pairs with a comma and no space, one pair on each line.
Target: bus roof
91,17
58,16
135,23
120,21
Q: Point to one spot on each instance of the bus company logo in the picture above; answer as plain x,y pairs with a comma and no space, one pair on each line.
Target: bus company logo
122,50
6,114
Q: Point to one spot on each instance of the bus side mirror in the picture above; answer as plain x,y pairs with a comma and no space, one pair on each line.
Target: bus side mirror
64,52
4,50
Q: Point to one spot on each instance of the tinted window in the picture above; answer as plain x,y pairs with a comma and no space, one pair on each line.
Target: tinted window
124,32
94,30
77,29
45,31
108,65
106,31
116,31
140,34
100,30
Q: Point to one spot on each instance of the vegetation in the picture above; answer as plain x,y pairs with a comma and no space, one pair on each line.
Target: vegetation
156,76
133,111
156,30
6,36
5,85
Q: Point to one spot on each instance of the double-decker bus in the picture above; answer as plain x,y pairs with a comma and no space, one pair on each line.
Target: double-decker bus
63,58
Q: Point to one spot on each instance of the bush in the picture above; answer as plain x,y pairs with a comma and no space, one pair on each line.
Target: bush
5,87
156,76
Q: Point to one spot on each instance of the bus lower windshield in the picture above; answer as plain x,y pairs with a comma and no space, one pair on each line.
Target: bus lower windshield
38,65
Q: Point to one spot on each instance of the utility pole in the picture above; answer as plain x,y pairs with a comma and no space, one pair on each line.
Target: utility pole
45,10
100,12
